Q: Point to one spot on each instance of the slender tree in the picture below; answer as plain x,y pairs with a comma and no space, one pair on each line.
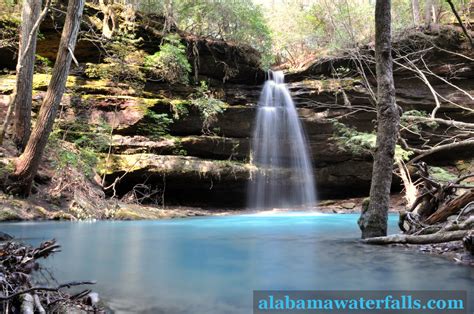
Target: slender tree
456,14
20,99
25,68
415,8
27,164
373,220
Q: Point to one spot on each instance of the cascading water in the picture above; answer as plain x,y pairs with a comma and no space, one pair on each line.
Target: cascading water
279,150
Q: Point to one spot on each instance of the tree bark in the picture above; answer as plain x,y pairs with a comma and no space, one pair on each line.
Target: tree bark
373,221
25,69
428,13
109,20
450,208
415,7
27,164
467,145
26,49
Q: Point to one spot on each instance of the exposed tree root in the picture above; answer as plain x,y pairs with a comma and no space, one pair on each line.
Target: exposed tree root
426,220
450,208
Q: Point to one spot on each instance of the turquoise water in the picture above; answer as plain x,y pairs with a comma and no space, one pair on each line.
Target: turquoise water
212,264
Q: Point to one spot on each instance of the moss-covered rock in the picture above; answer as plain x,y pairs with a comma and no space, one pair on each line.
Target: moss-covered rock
61,215
123,214
8,214
174,165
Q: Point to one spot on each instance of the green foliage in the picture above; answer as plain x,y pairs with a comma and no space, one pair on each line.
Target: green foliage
180,109
170,63
360,142
352,140
414,126
208,106
441,174
342,23
239,21
6,168
89,140
123,63
43,65
178,148
154,125
9,28
415,113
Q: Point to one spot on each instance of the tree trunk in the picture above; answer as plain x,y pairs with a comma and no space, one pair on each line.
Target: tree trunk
25,69
109,20
415,7
27,164
428,13
373,221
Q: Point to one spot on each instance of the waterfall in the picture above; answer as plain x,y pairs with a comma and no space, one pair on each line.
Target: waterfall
284,178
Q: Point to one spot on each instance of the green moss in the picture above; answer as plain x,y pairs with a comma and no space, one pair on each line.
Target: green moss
171,165
123,214
365,204
41,211
154,125
61,215
180,108
6,167
414,125
7,214
332,85
7,83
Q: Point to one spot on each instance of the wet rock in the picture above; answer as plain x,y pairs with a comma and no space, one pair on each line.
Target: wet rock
348,205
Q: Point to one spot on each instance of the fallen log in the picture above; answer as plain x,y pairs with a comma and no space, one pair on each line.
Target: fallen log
467,145
450,208
439,237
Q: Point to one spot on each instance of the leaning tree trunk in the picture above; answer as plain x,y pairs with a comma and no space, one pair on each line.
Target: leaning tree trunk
456,14
373,220
25,68
27,164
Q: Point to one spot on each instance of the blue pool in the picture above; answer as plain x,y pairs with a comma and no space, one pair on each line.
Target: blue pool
212,264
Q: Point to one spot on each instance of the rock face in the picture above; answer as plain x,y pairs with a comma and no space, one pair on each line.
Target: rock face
217,60
339,173
210,166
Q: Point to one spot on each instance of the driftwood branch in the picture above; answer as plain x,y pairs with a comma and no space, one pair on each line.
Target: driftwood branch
467,144
439,237
18,286
34,289
448,123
